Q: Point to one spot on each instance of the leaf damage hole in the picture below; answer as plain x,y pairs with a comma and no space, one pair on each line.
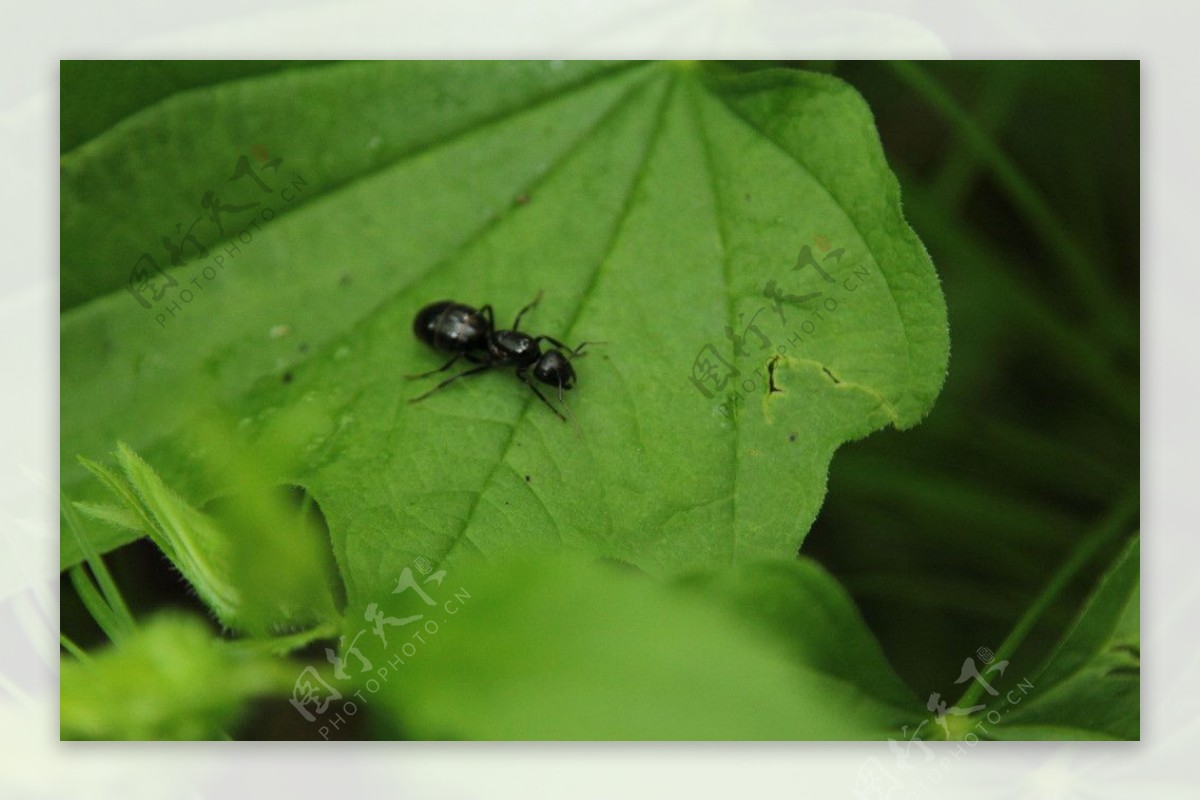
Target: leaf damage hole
771,387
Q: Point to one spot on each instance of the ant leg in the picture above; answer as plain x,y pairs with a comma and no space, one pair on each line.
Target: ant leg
451,380
447,365
486,310
441,369
521,313
538,392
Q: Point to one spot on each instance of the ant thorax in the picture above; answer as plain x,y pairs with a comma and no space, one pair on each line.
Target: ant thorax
513,347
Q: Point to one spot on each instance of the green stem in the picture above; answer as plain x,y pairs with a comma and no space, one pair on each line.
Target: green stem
285,644
1109,528
73,649
997,99
1050,228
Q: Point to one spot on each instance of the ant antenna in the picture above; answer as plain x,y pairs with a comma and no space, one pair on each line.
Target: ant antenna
570,414
579,350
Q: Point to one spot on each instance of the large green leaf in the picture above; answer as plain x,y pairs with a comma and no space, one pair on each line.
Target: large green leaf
801,606
1091,684
559,648
652,204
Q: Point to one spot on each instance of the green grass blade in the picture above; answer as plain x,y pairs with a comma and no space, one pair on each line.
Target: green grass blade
72,648
122,617
1111,526
94,602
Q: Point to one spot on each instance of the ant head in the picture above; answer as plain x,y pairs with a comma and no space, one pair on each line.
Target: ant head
553,368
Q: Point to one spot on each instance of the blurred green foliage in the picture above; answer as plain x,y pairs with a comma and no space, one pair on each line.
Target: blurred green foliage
170,681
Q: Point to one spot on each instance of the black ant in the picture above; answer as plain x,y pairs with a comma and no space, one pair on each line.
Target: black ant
471,334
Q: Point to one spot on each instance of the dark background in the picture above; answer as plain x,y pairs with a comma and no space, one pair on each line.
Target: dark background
945,534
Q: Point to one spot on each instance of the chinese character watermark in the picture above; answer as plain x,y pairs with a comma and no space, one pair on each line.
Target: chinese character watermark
316,698
225,214
922,767
715,374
